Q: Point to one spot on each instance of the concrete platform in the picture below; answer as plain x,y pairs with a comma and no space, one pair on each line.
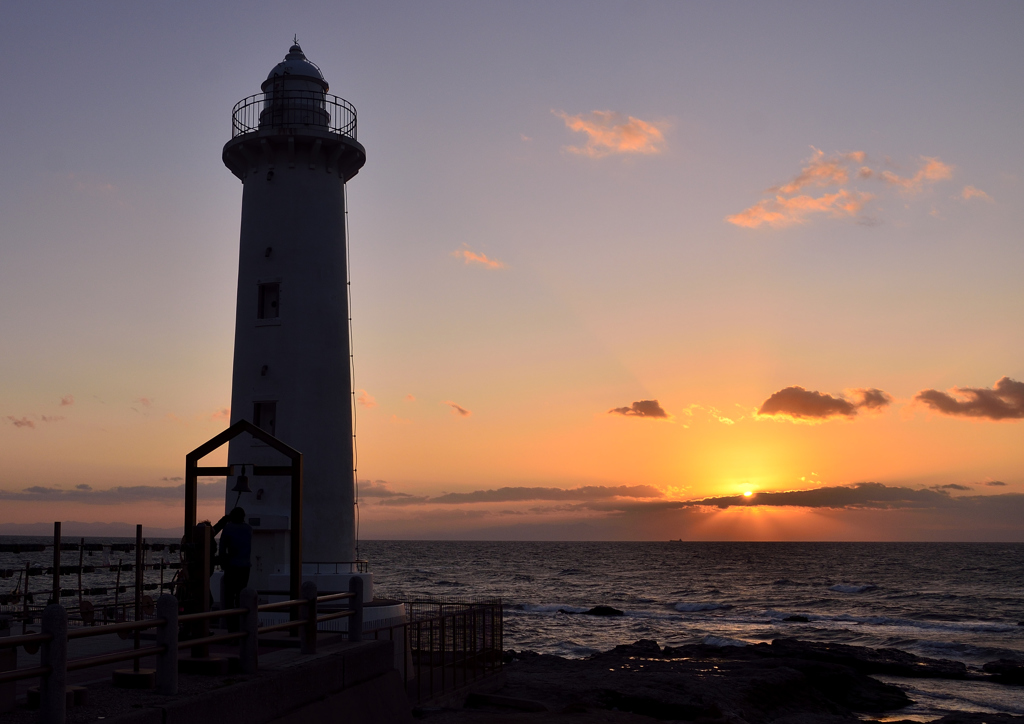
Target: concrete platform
342,681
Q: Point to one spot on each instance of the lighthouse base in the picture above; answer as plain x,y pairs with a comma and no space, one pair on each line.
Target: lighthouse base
376,614
332,582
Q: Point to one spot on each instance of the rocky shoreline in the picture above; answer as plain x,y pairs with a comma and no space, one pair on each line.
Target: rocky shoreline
785,682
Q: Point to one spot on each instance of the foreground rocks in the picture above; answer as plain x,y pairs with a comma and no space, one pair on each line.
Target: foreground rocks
595,611
863,659
1006,671
786,682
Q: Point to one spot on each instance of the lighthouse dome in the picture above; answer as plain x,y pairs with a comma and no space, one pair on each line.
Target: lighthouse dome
296,66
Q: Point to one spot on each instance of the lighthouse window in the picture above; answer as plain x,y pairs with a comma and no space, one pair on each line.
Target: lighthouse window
269,299
264,416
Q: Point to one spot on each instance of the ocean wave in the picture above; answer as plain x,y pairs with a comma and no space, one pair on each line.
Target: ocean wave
722,641
549,608
571,572
939,625
848,588
773,614
448,583
958,650
690,607
912,623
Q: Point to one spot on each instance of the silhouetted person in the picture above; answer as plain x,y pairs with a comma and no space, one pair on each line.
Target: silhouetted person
235,559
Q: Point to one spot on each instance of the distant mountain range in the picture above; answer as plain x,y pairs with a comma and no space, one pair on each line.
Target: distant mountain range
71,528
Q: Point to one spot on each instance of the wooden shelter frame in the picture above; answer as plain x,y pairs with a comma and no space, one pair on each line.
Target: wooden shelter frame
294,470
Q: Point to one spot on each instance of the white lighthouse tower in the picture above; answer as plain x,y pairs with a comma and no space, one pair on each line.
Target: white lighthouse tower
294,147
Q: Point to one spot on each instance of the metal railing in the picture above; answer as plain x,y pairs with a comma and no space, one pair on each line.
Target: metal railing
294,109
54,638
360,565
19,601
446,646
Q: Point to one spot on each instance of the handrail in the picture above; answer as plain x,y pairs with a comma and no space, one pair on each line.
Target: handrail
81,633
201,615
55,663
113,658
279,605
19,674
13,642
282,626
293,109
337,614
334,597
214,639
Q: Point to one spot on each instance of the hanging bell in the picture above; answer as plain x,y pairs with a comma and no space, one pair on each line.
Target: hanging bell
241,483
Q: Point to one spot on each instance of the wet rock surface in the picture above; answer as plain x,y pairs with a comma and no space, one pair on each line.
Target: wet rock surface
643,682
1006,671
865,660
595,611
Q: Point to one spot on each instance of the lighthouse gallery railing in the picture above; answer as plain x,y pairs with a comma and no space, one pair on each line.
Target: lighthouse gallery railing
294,109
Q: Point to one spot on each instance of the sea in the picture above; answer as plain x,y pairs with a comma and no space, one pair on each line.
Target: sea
960,601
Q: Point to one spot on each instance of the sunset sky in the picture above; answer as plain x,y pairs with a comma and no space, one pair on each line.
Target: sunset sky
614,265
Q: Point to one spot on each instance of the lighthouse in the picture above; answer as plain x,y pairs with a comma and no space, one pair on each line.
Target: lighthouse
293,146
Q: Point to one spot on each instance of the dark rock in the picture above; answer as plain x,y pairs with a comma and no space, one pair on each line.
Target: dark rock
478,701
642,649
851,689
596,611
864,659
796,619
701,684
655,707
1007,671
971,717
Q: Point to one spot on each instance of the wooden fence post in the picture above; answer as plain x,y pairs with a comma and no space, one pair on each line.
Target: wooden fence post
248,648
308,641
55,595
8,662
167,636
54,653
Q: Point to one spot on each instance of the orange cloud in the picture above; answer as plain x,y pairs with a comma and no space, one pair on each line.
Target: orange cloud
932,170
366,400
21,422
410,398
781,212
970,192
822,171
223,413
472,257
609,133
457,409
67,400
